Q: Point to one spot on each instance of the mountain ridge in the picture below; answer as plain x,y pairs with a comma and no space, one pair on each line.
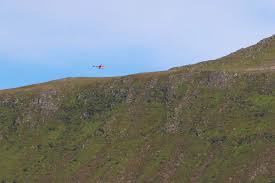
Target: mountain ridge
264,43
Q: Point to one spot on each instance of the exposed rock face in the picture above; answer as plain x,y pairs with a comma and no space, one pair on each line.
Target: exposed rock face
47,101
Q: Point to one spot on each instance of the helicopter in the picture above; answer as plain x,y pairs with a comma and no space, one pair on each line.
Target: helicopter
101,66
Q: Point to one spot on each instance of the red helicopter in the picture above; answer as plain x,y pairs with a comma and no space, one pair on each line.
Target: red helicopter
99,66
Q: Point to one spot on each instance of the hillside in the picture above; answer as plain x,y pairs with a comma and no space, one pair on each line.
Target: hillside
209,122
254,58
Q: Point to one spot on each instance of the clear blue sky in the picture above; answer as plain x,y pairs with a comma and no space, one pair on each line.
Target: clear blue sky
42,40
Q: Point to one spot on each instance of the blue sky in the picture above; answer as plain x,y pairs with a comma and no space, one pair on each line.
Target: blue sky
45,40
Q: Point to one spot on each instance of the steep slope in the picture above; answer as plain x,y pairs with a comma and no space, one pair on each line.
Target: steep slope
210,122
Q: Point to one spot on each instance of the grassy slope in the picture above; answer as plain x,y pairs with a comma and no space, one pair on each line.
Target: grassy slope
259,57
193,124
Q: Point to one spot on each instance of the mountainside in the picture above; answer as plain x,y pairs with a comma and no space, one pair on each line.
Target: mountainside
209,122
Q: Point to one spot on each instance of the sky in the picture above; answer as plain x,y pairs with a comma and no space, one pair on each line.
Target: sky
47,40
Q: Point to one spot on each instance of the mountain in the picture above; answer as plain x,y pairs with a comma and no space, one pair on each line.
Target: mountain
209,122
